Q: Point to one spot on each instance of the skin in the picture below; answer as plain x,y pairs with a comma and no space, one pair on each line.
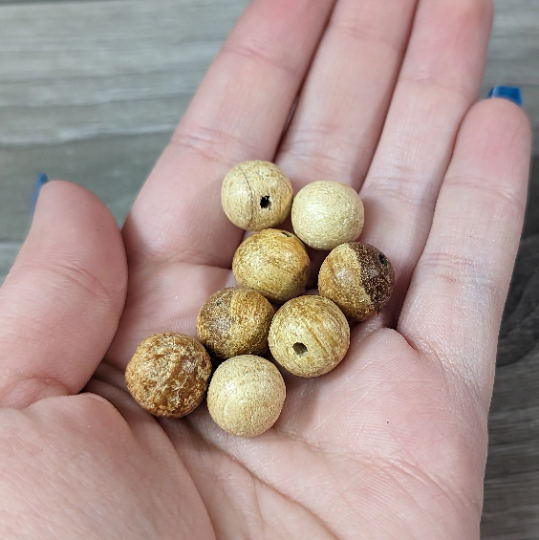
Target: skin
392,443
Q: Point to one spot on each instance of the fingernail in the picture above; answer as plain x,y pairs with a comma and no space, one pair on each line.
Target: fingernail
41,180
512,93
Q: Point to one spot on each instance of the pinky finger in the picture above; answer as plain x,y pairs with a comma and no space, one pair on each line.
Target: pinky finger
454,305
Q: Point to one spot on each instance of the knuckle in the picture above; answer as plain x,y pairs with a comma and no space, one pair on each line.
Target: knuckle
504,195
403,183
257,52
458,271
212,144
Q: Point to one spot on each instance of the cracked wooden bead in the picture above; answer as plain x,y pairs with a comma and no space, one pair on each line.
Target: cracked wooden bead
309,336
235,321
274,263
246,395
256,195
358,278
168,374
326,214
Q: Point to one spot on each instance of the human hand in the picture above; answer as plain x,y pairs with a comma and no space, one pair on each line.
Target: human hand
392,443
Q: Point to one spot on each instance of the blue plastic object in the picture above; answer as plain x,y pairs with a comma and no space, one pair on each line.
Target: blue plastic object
41,180
512,93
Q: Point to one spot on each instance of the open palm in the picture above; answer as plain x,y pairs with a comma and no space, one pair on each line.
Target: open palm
392,443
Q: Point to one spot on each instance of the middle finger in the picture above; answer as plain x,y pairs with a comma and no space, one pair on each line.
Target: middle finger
341,110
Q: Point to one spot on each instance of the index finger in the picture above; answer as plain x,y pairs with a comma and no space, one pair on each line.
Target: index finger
238,113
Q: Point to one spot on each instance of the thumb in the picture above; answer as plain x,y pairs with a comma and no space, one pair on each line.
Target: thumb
62,300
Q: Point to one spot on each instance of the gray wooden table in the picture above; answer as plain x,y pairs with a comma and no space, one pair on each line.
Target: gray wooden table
91,90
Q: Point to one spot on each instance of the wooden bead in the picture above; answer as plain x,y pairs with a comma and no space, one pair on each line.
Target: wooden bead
235,321
358,278
168,374
309,336
256,195
274,263
246,395
326,214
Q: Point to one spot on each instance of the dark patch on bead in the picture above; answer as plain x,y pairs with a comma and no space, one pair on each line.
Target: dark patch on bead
377,274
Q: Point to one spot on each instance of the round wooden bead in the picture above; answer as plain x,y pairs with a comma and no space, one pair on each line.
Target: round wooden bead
235,321
274,263
326,214
309,336
358,278
256,195
246,395
168,374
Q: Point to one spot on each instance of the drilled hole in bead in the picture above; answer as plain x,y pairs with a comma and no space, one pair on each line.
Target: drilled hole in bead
383,259
265,202
300,349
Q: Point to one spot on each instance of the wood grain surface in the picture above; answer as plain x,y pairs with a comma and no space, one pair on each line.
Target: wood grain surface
90,91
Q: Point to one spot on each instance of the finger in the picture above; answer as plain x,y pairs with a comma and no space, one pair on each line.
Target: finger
454,306
238,113
439,81
164,298
342,106
61,302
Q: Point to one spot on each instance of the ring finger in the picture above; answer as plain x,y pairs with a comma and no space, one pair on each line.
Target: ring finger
439,81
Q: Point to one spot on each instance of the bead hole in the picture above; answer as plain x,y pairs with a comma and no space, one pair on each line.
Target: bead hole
383,259
300,349
265,202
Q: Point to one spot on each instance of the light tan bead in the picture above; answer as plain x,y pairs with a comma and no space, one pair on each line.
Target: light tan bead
309,336
326,214
168,374
274,263
358,278
246,395
235,321
256,195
